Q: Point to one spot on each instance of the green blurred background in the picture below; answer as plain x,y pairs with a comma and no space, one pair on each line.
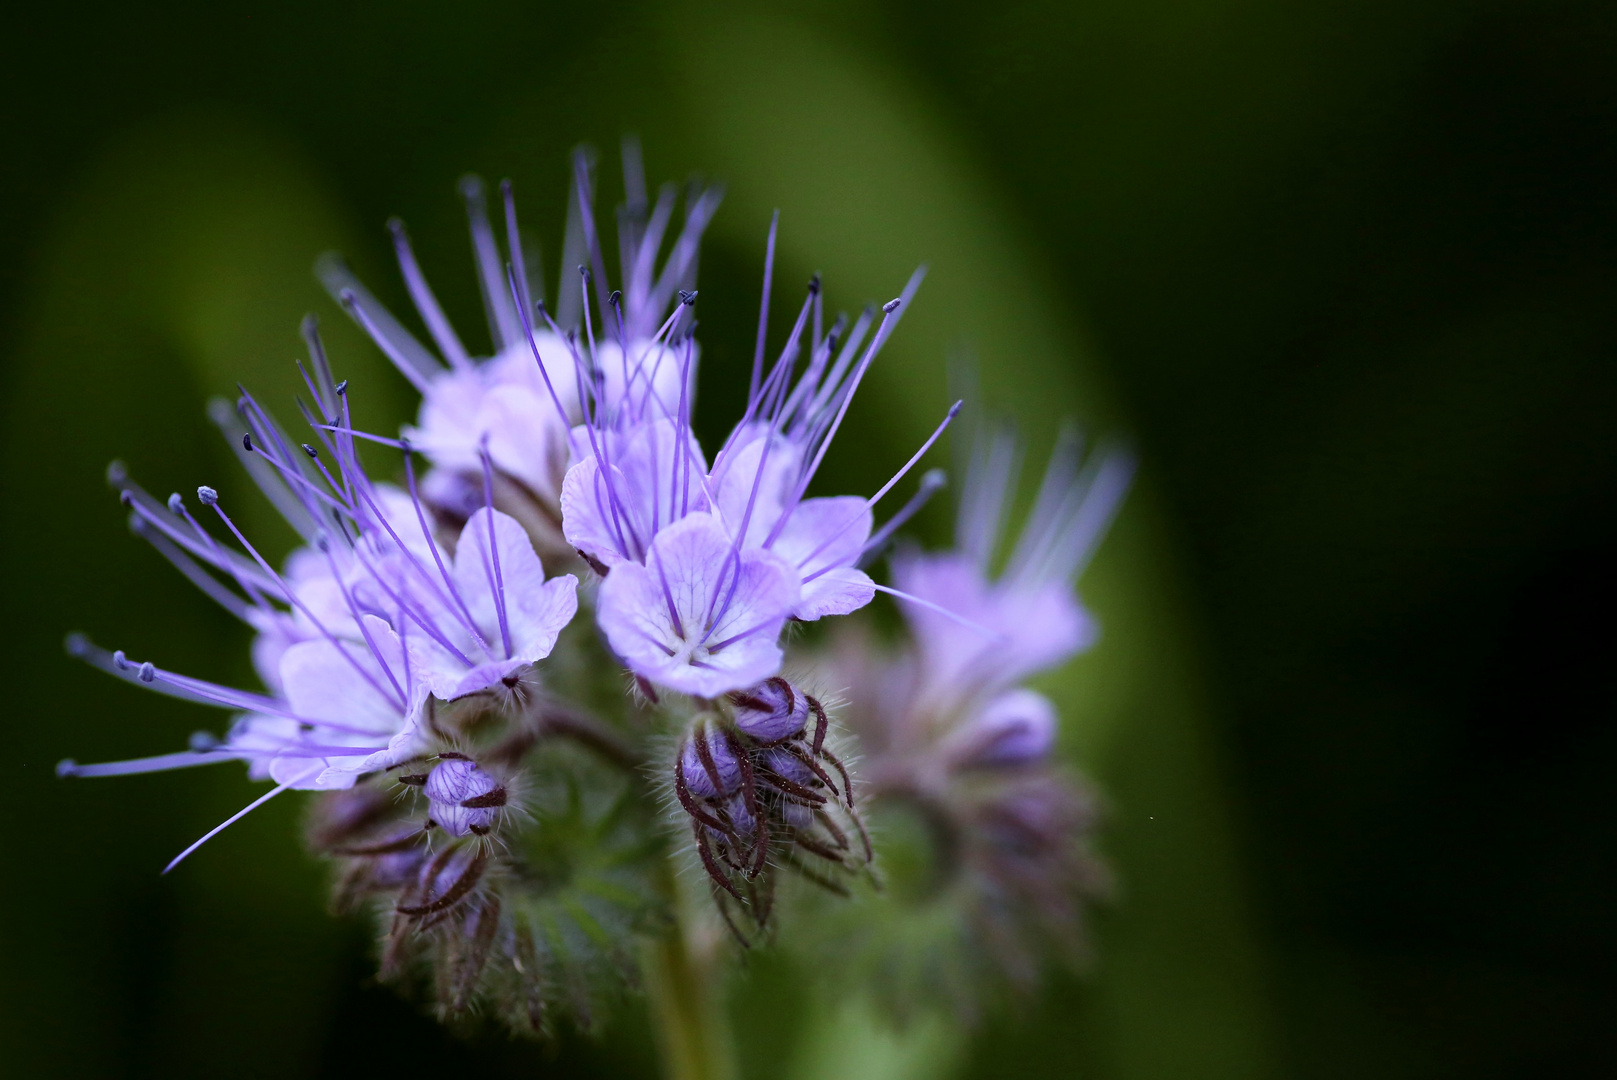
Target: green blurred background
1344,272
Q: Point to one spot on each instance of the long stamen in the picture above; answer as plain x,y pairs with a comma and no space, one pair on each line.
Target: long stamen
238,815
197,576
437,558
441,329
847,399
945,612
212,499
185,759
496,582
954,411
931,484
763,308
533,346
502,323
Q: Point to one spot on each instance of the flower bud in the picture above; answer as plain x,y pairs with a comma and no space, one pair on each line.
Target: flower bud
463,798
711,768
1016,728
772,711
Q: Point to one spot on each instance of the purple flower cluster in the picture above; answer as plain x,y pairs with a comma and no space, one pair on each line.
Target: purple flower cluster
485,771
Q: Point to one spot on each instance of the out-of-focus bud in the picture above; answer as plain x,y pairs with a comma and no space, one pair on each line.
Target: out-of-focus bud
1016,728
463,798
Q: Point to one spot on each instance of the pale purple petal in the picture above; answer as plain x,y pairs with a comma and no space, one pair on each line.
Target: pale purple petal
823,540
655,616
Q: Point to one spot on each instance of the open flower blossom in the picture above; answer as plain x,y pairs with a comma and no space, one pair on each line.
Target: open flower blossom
704,565
518,406
368,620
1030,609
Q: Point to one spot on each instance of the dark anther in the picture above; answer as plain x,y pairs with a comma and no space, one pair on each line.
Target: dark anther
814,284
478,830
614,296
891,306
247,441
207,495
512,681
584,272
147,672
119,660
176,505
342,387
414,779
450,755
687,298
126,497
487,801
311,451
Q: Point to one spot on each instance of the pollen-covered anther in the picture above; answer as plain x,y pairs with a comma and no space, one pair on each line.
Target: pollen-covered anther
464,799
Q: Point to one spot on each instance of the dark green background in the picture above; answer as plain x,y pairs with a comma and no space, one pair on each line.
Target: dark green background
1344,271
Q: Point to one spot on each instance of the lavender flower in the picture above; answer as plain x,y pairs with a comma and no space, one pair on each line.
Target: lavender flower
704,566
952,737
368,622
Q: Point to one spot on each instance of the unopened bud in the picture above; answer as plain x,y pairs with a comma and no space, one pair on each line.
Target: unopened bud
710,767
771,711
464,798
1016,728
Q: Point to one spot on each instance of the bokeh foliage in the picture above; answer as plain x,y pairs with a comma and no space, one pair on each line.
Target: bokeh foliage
1343,271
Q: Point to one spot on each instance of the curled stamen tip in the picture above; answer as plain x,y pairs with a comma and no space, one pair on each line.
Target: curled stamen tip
614,296
76,644
687,298
814,284
583,271
892,305
176,505
342,388
207,495
117,474
954,410
311,451
67,767
247,441
119,660
148,671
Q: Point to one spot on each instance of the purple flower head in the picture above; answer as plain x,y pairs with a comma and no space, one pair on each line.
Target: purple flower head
367,621
703,566
518,406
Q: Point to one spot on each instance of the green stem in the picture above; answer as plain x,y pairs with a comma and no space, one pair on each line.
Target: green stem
683,985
